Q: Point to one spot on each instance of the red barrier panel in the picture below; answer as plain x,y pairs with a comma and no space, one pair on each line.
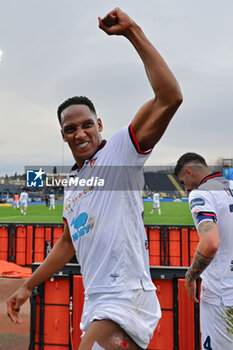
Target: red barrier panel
184,247
3,243
50,321
39,242
78,300
186,319
170,246
56,315
154,246
174,247
57,232
193,242
48,236
21,239
163,335
29,245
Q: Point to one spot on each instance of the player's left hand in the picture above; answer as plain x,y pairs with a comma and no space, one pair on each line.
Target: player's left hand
115,22
191,287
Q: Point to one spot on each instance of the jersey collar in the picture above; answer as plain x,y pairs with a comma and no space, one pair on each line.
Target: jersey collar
211,176
102,144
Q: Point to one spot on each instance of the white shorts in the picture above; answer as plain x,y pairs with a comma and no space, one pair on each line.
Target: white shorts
137,312
216,326
156,205
24,204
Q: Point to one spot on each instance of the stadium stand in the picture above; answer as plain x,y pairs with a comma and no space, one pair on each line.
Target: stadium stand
8,191
166,184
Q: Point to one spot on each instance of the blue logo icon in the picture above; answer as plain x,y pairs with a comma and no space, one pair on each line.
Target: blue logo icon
35,178
228,173
80,223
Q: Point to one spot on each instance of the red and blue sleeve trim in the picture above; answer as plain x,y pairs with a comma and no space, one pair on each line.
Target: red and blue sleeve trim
65,221
135,141
201,216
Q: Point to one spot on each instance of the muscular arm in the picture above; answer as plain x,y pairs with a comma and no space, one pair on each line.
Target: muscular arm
61,254
205,252
153,118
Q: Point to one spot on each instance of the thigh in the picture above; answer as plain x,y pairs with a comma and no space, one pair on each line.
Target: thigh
108,335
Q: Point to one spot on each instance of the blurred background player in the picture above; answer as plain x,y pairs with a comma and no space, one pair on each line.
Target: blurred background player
23,202
211,205
47,200
156,203
51,201
16,201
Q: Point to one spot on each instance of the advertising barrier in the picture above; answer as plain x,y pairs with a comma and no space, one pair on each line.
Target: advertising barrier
25,244
56,308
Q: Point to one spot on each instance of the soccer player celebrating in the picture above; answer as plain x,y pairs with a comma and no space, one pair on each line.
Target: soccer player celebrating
105,228
211,204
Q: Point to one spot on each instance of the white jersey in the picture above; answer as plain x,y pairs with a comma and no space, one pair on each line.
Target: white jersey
214,200
23,197
106,226
156,197
52,198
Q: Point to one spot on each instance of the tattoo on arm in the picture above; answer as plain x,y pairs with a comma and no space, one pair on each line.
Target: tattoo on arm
206,226
200,262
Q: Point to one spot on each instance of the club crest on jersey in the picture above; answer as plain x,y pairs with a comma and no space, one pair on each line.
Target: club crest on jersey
81,225
196,201
92,162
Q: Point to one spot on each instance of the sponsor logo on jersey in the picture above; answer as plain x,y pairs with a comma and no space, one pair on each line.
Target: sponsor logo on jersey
114,276
196,202
81,225
35,178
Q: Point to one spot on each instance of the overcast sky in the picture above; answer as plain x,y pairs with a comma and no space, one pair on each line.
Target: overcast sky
53,49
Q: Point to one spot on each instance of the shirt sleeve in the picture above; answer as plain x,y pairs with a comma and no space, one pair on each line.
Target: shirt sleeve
125,148
202,207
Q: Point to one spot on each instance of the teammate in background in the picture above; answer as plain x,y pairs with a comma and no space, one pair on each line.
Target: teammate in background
47,200
121,309
51,201
16,201
211,204
23,202
156,203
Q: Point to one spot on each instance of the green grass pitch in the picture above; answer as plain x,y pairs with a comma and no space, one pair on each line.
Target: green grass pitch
171,214
35,214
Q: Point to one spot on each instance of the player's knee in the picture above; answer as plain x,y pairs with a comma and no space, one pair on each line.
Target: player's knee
116,341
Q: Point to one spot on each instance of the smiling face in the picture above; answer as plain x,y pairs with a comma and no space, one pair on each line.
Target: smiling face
81,130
